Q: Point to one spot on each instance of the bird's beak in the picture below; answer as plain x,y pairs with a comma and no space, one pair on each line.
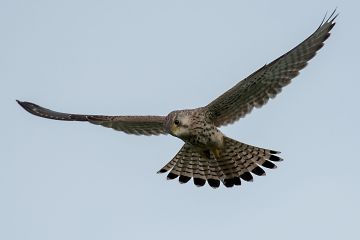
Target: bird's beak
174,130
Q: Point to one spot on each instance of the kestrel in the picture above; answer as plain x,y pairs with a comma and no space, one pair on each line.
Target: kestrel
207,154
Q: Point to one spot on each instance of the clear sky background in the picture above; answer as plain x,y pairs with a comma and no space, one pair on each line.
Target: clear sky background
68,180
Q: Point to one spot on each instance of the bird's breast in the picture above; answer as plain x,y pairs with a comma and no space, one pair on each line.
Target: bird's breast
207,138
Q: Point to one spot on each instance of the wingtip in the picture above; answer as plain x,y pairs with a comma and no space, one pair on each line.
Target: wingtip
329,19
22,104
28,106
333,15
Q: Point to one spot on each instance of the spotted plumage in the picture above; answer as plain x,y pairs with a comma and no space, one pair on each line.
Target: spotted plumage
207,154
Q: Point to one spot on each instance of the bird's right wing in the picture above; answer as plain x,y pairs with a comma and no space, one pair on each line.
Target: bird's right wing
138,125
267,82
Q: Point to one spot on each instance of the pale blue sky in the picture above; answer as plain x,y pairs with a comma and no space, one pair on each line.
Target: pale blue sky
67,180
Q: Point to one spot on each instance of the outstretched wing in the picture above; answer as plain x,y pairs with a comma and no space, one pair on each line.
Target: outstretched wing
267,82
139,125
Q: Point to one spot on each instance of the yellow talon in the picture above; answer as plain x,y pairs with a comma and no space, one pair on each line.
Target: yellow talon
216,152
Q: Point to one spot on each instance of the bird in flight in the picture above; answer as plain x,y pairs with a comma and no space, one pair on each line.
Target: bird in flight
207,154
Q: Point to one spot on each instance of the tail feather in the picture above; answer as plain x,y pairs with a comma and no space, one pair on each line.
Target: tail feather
229,169
169,165
198,177
216,174
204,168
185,175
237,161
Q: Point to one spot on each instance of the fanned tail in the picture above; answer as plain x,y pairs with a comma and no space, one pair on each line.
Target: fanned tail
238,161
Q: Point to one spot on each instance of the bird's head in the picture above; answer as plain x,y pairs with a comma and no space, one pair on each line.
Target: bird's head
177,123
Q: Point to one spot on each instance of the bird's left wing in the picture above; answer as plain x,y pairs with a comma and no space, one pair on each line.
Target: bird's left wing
138,125
267,82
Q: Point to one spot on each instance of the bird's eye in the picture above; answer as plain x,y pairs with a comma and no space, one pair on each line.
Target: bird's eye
176,122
